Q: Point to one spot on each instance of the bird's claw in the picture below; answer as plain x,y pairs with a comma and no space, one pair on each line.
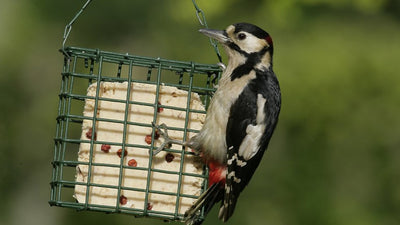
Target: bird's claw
161,130
220,64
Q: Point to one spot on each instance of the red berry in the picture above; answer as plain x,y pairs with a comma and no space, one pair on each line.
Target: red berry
156,135
132,163
147,139
89,134
169,157
119,152
123,200
105,148
159,109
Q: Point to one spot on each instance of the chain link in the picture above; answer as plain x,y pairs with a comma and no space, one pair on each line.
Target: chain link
202,20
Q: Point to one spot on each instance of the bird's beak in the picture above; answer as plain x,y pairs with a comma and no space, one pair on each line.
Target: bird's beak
218,35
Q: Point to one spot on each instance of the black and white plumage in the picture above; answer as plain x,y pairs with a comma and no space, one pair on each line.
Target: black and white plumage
240,120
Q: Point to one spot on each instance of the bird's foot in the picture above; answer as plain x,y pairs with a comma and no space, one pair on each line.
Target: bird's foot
220,64
162,130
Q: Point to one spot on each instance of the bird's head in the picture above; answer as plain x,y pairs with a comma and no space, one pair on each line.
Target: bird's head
243,40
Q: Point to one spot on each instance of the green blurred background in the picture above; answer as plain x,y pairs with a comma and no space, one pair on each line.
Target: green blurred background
335,156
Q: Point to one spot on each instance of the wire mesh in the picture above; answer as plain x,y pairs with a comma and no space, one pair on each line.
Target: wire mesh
84,68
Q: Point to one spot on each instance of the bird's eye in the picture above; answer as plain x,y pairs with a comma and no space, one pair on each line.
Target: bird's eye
241,36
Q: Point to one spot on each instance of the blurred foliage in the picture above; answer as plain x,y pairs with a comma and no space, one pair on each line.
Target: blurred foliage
334,158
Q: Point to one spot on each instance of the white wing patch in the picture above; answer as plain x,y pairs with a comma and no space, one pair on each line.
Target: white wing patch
251,141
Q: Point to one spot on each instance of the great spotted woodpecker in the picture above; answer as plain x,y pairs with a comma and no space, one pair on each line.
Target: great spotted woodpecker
240,119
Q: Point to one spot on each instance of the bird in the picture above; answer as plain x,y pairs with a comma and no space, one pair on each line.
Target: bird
240,119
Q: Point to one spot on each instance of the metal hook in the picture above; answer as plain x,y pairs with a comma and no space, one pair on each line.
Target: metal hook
68,28
202,20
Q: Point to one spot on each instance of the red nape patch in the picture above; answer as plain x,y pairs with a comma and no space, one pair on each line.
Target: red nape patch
269,40
217,173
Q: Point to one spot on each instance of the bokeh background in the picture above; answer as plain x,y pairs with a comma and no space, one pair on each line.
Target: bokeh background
335,156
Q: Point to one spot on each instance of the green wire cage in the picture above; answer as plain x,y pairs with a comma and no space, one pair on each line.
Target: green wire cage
82,117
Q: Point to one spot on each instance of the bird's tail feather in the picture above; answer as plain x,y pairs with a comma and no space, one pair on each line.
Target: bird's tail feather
227,207
207,199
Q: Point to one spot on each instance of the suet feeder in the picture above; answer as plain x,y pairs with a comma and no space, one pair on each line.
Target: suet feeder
103,156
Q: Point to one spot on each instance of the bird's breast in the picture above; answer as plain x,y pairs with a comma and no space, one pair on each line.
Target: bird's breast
213,134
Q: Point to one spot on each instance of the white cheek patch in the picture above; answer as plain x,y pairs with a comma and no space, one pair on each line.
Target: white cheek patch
251,142
251,43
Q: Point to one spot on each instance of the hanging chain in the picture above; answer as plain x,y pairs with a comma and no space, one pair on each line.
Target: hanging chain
202,20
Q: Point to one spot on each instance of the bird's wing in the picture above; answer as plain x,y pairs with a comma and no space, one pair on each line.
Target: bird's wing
249,130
